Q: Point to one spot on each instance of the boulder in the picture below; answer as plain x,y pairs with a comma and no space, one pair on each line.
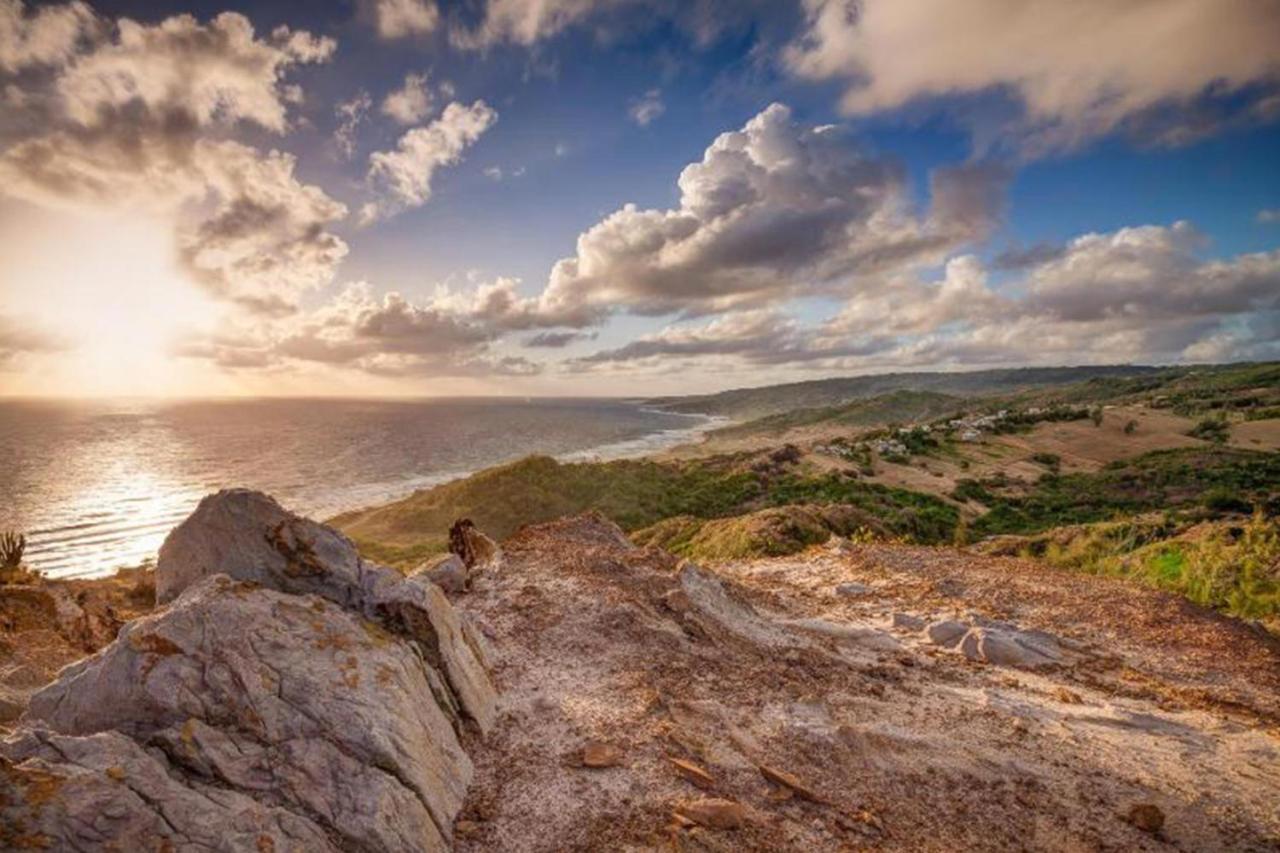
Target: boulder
448,572
247,536
946,632
244,697
1010,648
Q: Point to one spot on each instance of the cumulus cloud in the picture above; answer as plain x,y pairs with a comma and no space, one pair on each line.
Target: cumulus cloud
400,18
1134,294
45,36
140,116
411,102
647,107
220,71
403,176
1079,70
265,242
772,211
389,336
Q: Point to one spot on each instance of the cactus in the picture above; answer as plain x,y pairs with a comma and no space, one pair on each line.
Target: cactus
12,545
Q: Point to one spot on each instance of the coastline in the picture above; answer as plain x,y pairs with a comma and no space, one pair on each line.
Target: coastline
132,541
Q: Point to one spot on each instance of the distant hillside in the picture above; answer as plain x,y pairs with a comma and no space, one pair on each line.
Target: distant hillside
895,407
743,403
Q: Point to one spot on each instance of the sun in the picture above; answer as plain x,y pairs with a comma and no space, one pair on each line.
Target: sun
112,293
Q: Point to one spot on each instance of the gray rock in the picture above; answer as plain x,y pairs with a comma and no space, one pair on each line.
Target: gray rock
249,537
853,589
246,694
906,622
447,572
1026,649
946,632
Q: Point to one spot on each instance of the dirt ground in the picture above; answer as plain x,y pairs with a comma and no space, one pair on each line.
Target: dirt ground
45,625
805,697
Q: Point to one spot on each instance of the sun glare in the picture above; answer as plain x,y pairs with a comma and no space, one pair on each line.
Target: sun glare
112,293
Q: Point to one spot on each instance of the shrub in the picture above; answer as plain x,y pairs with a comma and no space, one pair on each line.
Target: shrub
1130,428
1052,461
1211,429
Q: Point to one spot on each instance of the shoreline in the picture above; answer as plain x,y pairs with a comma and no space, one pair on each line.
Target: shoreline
340,499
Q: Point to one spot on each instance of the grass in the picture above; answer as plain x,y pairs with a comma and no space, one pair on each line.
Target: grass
1230,567
634,493
771,532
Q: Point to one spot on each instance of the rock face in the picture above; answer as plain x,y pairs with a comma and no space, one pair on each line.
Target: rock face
298,699
247,536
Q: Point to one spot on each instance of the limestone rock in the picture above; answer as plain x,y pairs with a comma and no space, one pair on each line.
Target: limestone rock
1010,647
946,632
712,812
249,537
245,696
906,622
449,573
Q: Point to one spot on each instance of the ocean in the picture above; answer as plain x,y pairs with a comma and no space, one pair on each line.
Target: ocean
96,486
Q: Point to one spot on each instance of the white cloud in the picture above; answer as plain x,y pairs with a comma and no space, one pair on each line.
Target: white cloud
647,107
1133,294
144,117
388,336
403,176
265,242
1080,69
215,72
400,18
1269,216
525,21
45,36
411,102
18,338
773,211
350,114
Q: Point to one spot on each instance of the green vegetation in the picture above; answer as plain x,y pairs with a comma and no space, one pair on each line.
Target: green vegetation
1052,461
1213,429
1231,567
12,547
771,532
635,494
746,403
895,407
1162,480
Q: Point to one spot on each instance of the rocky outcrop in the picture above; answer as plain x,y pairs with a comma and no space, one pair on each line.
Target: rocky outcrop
291,696
247,536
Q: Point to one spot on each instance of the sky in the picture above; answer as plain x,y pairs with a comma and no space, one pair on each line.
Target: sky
628,197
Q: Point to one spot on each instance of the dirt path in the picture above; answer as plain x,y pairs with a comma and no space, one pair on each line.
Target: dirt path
1125,706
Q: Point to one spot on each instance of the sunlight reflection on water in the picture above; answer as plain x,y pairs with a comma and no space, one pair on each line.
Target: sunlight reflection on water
97,486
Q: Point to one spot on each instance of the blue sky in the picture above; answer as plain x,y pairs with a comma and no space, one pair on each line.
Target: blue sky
369,287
